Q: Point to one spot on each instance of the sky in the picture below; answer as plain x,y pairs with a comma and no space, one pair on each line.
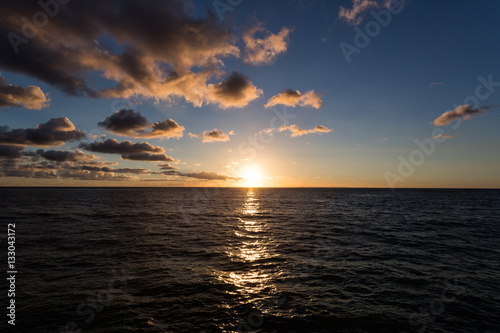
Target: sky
298,93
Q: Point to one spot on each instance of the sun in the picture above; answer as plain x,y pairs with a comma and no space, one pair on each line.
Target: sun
252,176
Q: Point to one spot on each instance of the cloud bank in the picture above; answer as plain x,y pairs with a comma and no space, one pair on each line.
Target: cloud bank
162,54
55,132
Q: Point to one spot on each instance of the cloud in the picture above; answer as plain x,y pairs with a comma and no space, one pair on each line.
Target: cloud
112,146
161,52
11,152
293,98
465,111
235,91
445,136
201,175
296,131
127,122
167,166
124,122
31,97
214,135
140,151
138,171
55,132
61,171
64,156
433,84
264,51
90,175
355,15
147,157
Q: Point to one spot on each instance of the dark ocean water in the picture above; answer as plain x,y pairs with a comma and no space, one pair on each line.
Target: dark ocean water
253,260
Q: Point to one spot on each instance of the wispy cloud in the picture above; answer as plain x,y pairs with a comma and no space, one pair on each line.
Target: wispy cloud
355,15
296,131
433,84
201,175
465,111
445,136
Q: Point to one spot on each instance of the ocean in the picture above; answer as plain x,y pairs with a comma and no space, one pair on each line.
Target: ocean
252,260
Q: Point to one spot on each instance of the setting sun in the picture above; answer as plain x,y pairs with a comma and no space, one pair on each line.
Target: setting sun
252,176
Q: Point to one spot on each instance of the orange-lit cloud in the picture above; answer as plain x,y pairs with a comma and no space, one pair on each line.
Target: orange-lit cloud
293,98
465,111
163,53
296,131
355,15
214,135
264,51
31,97
445,136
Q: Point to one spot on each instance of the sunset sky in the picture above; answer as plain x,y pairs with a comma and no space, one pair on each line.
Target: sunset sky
351,93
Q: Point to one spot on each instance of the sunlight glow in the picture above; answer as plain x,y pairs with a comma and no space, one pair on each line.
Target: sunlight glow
253,176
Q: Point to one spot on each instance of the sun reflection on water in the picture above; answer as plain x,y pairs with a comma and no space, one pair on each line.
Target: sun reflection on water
253,247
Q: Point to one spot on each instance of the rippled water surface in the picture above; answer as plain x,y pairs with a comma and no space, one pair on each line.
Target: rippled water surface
254,260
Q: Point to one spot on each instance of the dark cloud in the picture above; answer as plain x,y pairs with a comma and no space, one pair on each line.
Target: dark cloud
69,170
167,166
124,122
137,171
147,157
31,97
465,111
212,136
140,151
159,47
64,156
235,91
130,123
11,152
55,132
112,146
90,175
